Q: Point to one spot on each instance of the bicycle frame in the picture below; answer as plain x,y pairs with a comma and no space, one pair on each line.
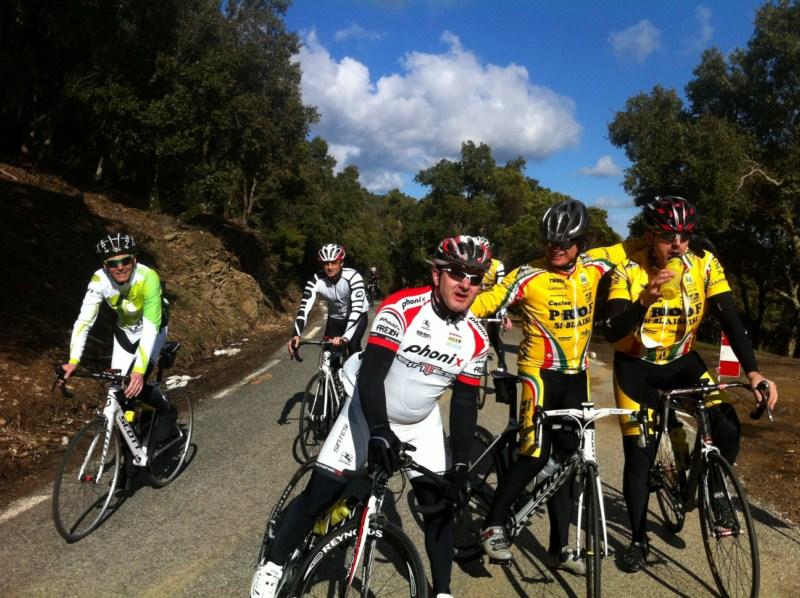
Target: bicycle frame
114,415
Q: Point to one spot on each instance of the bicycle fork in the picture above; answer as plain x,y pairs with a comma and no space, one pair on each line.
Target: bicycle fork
590,460
369,516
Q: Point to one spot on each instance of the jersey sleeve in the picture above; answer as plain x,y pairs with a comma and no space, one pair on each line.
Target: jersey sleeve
620,287
306,303
716,282
358,304
388,328
476,366
151,321
86,318
604,259
498,297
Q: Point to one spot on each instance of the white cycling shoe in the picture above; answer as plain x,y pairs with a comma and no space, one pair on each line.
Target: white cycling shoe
265,581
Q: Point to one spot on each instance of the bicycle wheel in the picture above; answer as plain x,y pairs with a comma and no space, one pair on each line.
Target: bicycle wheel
727,527
486,386
592,532
167,457
318,411
468,519
82,492
668,482
390,567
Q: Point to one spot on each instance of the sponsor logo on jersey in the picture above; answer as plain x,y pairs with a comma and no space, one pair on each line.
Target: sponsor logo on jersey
340,437
346,458
387,330
425,368
423,334
411,301
426,324
453,339
583,278
426,351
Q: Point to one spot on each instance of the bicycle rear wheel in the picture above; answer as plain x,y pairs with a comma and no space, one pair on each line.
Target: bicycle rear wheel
727,527
81,493
390,567
468,519
318,411
167,457
592,532
668,482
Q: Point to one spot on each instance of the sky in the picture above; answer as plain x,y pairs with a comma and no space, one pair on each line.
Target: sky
401,84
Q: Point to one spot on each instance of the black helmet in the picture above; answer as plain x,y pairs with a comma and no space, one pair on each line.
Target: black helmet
116,244
464,251
670,214
565,221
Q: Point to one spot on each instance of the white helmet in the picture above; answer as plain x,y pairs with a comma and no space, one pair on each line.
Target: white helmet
331,253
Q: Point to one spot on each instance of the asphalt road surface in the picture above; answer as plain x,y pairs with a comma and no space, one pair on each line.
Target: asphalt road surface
199,536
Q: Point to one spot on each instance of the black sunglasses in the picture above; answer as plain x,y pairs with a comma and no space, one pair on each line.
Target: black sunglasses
671,236
459,275
123,261
562,244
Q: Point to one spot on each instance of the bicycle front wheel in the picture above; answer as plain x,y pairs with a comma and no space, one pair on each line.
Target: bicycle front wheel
390,565
592,531
86,481
167,457
318,411
668,482
727,527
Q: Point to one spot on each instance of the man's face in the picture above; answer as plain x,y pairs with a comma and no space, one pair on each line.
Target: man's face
332,269
559,256
457,287
120,267
667,245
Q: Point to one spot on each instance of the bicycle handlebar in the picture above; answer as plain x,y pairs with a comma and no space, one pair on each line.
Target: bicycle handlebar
706,389
588,414
325,340
113,376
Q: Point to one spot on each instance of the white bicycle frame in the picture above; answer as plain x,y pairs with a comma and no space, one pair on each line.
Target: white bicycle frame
329,385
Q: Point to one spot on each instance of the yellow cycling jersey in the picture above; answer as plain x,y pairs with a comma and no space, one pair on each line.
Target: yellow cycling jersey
670,326
494,275
557,307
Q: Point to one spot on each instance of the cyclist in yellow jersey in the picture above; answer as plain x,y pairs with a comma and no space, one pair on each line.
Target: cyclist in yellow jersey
494,275
557,297
654,338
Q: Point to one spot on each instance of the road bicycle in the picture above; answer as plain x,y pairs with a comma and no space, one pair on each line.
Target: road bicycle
705,480
369,555
495,457
486,385
323,397
93,463
372,291
342,511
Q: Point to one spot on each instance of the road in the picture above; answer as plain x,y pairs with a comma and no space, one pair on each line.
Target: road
199,536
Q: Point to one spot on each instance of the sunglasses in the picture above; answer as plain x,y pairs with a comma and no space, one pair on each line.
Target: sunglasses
460,275
670,237
123,261
561,244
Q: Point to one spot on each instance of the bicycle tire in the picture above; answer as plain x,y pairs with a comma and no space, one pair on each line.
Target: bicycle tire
593,532
314,426
391,565
484,388
669,484
730,542
167,458
80,503
468,519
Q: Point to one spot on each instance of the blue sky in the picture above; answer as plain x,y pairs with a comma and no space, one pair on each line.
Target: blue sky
399,84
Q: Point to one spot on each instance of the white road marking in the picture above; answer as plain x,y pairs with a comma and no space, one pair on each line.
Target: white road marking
20,506
224,393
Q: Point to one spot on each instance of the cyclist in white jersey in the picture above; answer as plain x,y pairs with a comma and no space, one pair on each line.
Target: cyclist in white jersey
423,340
344,292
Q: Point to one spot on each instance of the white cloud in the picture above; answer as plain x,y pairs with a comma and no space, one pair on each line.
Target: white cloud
636,43
357,32
702,15
613,203
605,167
393,127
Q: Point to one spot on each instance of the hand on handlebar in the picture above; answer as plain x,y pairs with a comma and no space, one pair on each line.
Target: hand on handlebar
763,389
294,342
507,324
67,369
459,484
135,385
383,451
338,341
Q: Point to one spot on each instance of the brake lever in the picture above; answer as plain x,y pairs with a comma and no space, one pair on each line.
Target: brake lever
763,390
63,386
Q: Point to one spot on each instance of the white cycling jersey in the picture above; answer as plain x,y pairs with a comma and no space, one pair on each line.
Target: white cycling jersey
431,352
346,298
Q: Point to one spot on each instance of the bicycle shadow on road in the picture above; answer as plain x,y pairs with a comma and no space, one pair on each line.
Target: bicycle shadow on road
779,526
288,407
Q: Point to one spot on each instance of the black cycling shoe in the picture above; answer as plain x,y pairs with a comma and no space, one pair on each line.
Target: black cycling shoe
635,557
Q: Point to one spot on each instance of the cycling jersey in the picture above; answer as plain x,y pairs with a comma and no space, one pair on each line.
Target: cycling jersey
345,296
138,307
558,307
494,275
669,326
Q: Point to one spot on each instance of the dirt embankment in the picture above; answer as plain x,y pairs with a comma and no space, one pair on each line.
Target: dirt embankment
47,237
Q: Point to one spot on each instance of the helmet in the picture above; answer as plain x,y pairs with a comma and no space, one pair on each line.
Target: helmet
565,221
331,253
115,245
671,214
373,269
483,241
464,251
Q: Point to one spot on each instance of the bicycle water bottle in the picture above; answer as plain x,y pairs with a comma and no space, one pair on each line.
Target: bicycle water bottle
672,288
680,448
130,416
549,468
338,512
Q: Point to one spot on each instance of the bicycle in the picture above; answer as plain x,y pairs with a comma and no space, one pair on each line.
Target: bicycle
496,456
90,470
372,292
322,400
484,388
711,485
369,555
